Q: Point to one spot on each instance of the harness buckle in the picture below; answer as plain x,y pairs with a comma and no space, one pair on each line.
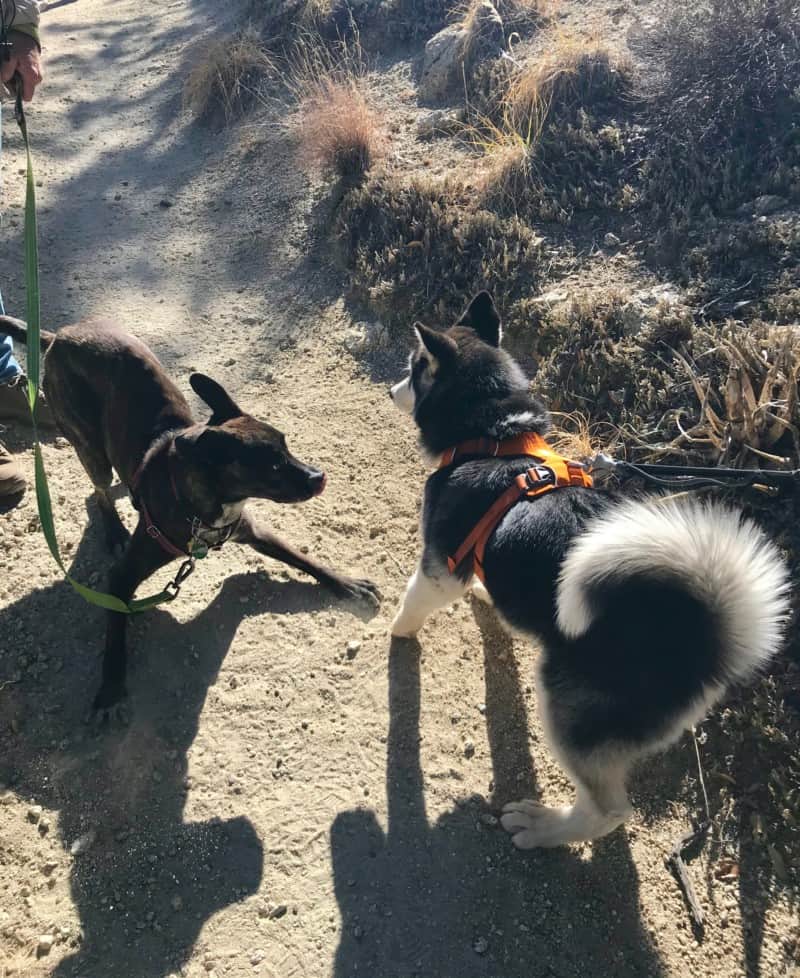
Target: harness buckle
539,476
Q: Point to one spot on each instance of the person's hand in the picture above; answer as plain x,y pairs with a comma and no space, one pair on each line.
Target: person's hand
24,59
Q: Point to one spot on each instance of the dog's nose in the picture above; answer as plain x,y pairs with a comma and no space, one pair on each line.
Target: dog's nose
318,481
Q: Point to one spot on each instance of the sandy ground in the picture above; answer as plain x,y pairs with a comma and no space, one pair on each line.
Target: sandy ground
279,805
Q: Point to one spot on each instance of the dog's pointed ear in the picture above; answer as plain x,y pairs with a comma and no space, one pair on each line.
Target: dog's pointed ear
482,316
440,347
222,405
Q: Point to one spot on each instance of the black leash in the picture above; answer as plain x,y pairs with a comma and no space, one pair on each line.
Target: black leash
696,476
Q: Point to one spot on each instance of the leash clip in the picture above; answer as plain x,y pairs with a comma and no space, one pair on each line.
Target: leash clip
174,586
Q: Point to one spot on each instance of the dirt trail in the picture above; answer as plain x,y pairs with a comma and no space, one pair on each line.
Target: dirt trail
245,822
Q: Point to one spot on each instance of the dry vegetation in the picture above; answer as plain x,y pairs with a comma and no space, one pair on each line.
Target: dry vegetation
724,89
571,139
225,75
339,132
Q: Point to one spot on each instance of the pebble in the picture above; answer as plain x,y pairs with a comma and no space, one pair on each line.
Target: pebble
177,902
44,945
469,749
49,866
164,202
481,946
352,649
611,240
35,813
257,957
278,912
82,843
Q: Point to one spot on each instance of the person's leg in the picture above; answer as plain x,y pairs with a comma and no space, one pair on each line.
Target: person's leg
14,393
12,480
9,368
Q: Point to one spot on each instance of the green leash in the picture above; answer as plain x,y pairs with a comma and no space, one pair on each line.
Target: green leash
43,501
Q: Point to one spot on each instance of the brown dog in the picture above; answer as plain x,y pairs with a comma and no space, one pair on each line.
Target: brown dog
189,480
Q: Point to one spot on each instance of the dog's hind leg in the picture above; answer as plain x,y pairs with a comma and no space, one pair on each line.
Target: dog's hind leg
98,468
601,804
601,799
423,596
141,559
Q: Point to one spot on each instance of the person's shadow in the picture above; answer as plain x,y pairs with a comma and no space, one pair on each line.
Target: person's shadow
454,899
147,881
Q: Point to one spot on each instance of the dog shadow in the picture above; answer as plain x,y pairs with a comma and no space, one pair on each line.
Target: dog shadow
454,898
147,881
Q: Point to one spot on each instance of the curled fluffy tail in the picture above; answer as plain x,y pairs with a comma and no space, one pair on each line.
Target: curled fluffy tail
18,330
722,560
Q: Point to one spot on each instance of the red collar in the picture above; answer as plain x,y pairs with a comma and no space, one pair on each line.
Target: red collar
191,549
552,471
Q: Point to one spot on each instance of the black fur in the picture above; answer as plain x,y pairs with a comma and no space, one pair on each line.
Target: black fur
113,400
654,646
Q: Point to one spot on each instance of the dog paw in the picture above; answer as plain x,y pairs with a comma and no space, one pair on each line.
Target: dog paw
359,590
531,824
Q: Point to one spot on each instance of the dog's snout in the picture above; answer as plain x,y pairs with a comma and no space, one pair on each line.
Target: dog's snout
318,481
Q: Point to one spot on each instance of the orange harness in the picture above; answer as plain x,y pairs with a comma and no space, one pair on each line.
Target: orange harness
552,471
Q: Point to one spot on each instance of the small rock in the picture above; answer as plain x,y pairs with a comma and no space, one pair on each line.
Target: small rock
441,65
49,867
35,813
44,945
165,202
481,946
44,826
768,204
277,912
439,122
488,819
352,649
469,749
83,842
550,298
611,240
257,957
177,902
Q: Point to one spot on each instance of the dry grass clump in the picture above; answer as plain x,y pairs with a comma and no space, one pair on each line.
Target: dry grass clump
723,394
225,75
339,132
415,250
723,82
553,141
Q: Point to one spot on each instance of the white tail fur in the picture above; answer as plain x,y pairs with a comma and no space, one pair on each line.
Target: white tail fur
725,560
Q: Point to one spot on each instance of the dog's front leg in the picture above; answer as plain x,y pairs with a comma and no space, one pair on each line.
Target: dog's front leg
257,536
142,557
423,596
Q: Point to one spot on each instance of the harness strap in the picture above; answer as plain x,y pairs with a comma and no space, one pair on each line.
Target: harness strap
552,472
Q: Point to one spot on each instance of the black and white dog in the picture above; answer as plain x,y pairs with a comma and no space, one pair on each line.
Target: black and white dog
646,610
